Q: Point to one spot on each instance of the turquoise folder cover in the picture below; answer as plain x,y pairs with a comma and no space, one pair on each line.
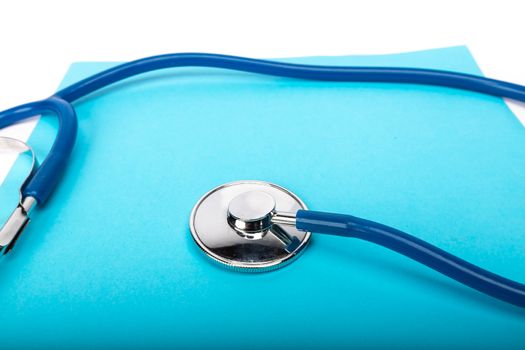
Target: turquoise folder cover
109,261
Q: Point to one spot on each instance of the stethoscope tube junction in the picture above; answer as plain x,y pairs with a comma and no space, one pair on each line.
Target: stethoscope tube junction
254,225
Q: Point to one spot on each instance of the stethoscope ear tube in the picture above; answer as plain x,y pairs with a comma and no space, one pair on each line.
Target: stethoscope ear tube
416,249
43,179
42,182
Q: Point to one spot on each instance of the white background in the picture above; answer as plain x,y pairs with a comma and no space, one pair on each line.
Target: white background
40,39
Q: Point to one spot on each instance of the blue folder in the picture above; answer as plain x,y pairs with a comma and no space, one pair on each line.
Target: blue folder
109,261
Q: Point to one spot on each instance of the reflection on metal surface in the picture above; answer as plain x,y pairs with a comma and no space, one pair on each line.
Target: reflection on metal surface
18,220
239,225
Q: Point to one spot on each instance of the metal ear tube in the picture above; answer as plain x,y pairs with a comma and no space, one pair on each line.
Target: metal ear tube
19,219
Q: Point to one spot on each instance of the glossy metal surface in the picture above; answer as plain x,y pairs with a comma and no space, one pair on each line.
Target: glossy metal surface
250,214
18,220
233,224
15,224
282,218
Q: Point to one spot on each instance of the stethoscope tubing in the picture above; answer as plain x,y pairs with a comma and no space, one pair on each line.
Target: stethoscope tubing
416,249
43,182
41,185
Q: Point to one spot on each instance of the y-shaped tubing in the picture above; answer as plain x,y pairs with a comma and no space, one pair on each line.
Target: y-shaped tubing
41,184
44,180
49,172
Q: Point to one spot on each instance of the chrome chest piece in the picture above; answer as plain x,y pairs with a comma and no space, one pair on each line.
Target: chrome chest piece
249,225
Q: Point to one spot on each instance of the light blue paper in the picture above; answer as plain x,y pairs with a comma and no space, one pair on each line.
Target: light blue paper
110,260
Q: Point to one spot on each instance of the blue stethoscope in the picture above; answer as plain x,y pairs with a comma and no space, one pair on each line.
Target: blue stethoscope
255,225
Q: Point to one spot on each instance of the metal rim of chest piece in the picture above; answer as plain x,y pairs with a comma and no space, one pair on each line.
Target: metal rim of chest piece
238,225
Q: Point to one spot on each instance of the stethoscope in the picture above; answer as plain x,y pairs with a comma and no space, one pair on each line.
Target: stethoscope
255,225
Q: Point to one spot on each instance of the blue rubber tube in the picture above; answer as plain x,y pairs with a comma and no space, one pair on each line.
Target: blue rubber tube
299,71
462,271
43,181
